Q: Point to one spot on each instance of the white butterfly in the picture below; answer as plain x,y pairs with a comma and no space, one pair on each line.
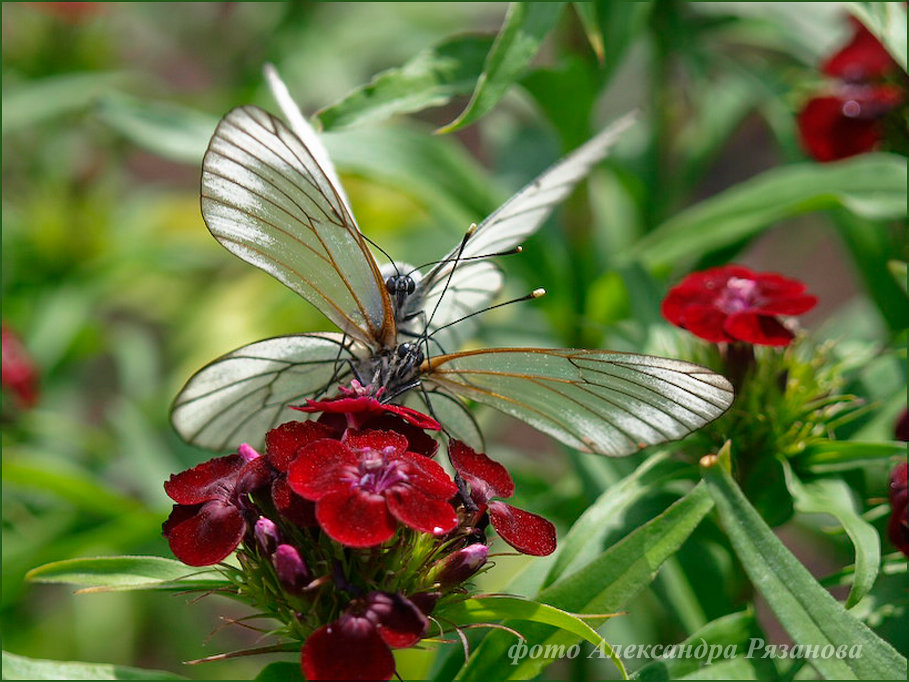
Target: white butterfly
270,195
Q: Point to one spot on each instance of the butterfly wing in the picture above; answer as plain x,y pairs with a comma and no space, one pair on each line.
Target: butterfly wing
595,401
266,199
451,412
522,214
240,396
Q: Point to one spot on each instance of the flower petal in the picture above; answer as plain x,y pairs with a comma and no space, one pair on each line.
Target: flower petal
359,441
346,650
419,511
298,510
400,623
429,476
476,465
705,322
758,329
863,58
355,518
283,442
417,440
319,468
214,479
526,532
828,134
205,534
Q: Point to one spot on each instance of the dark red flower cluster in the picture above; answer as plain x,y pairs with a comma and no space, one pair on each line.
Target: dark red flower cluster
19,376
731,303
359,482
898,529
850,118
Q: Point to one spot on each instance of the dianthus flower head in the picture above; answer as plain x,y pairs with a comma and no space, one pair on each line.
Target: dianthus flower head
367,482
732,303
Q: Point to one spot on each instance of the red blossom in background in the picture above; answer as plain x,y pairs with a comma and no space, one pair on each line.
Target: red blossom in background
358,645
732,303
367,482
898,528
19,374
526,532
847,120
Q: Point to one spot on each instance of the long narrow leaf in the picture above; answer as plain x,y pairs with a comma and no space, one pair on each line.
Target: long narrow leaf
871,185
605,585
525,27
22,668
430,79
806,610
127,573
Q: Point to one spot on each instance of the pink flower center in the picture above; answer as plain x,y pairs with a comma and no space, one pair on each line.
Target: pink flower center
739,294
377,472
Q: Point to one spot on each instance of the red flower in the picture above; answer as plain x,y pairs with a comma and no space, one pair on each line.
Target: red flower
358,645
732,303
898,529
848,120
526,532
359,409
367,482
208,521
862,59
19,374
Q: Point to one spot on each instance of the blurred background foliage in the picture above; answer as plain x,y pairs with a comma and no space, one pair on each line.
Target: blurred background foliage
119,293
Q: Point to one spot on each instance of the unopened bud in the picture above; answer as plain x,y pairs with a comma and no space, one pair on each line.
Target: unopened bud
247,452
461,565
292,572
267,536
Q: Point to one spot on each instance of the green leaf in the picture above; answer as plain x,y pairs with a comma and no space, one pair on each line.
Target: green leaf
806,610
833,496
27,103
435,170
605,585
583,541
21,668
836,455
620,23
872,185
887,21
430,79
733,630
900,271
494,608
281,671
587,14
173,132
127,573
526,25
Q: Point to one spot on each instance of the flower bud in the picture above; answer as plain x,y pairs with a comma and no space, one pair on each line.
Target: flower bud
267,536
292,572
461,565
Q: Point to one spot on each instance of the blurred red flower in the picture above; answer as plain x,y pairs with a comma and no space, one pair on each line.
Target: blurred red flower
19,374
898,529
732,303
848,120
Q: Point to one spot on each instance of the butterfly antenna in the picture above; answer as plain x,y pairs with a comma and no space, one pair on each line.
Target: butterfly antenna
536,293
467,235
483,256
384,253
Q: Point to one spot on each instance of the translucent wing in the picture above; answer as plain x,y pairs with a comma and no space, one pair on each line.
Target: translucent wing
304,131
265,198
522,214
240,396
595,401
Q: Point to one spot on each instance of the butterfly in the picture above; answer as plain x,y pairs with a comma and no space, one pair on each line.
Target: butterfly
270,195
